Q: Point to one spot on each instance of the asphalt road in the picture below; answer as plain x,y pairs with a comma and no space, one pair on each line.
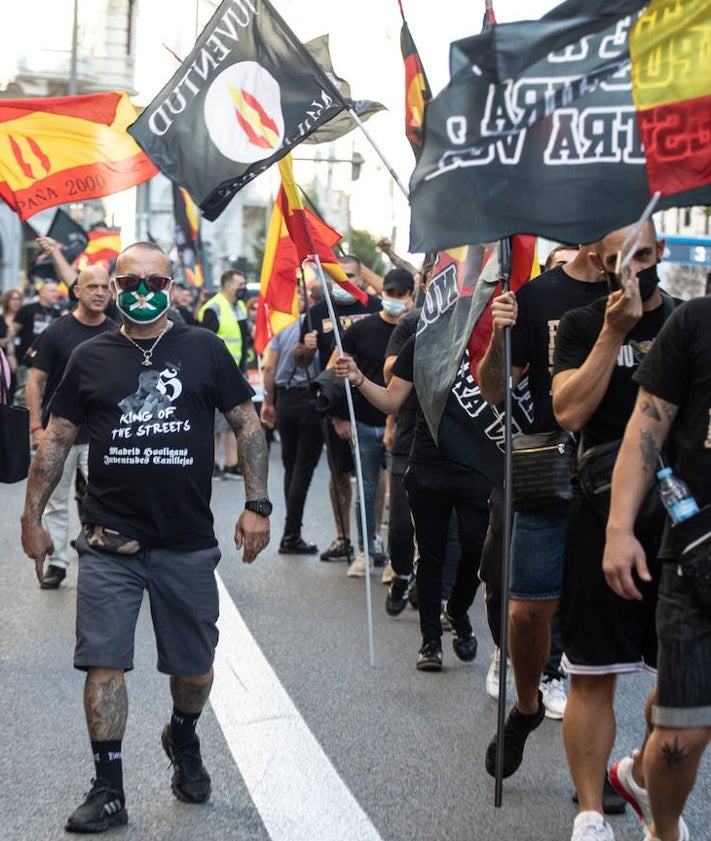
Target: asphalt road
303,738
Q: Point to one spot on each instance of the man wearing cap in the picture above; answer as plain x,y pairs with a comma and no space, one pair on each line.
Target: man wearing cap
366,341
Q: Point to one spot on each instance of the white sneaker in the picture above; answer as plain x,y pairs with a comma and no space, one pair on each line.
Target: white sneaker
623,781
683,832
591,826
493,676
357,568
388,573
554,697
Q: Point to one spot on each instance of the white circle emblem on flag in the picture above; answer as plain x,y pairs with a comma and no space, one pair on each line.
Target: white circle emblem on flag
243,113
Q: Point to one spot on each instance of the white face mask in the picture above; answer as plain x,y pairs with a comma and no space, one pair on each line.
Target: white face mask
394,306
339,294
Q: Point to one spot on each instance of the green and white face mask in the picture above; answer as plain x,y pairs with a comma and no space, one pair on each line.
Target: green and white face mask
143,306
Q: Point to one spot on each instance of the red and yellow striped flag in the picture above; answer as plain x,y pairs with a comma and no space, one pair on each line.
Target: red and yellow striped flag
295,234
671,86
103,248
67,149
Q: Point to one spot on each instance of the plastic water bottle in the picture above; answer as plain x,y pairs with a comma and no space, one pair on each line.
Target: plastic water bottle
676,496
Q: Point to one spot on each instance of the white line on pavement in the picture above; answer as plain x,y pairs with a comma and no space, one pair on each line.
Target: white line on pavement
297,791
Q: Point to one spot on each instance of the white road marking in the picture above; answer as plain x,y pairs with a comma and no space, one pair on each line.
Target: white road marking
299,794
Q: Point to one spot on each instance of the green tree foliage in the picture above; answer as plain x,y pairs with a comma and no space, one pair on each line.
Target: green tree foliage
362,246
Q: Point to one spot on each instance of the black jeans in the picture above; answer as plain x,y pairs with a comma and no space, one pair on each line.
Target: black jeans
434,491
301,443
401,532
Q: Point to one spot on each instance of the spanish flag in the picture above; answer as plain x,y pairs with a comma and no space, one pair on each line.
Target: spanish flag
103,248
67,149
187,236
671,87
295,234
417,89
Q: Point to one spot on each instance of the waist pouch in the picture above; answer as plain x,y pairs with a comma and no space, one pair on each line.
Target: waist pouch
541,467
110,540
691,540
595,466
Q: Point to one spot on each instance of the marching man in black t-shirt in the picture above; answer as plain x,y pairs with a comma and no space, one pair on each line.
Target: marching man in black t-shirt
674,402
48,357
147,393
598,348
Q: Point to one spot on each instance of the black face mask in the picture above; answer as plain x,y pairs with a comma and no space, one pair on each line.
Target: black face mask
648,281
241,294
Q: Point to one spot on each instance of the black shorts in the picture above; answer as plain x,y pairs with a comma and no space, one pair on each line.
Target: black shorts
184,606
602,632
340,452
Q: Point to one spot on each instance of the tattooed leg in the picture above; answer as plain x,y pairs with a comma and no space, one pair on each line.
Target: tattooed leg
190,694
105,704
671,762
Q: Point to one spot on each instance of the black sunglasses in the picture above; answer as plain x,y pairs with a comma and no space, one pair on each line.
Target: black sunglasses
152,282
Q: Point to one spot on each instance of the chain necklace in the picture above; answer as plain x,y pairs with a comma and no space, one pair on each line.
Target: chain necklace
147,354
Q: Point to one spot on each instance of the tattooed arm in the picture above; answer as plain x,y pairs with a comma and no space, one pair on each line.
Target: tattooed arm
634,472
252,530
45,473
490,373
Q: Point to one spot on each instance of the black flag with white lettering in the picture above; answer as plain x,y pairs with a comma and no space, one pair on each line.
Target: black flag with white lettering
245,96
536,133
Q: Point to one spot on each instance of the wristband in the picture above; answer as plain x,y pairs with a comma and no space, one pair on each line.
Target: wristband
360,382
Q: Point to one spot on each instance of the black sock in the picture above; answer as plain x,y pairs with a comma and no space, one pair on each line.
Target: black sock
108,763
182,727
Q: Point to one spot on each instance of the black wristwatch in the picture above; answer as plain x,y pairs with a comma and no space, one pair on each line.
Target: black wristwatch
260,506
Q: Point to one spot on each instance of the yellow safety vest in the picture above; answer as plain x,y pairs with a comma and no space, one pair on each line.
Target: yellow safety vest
228,330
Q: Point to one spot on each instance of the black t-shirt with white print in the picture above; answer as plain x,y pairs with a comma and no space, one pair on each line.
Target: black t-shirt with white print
577,333
347,314
151,431
541,304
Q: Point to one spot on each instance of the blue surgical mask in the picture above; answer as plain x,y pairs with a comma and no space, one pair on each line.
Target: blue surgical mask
339,294
394,306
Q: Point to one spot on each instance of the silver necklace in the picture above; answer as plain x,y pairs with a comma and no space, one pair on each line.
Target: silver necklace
147,354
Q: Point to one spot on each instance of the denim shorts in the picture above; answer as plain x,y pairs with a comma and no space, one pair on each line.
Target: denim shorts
184,607
684,657
537,551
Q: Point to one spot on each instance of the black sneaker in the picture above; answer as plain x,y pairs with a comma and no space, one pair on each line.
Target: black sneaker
232,472
53,577
217,472
429,657
191,782
338,550
104,807
295,545
613,803
464,642
516,731
396,600
380,559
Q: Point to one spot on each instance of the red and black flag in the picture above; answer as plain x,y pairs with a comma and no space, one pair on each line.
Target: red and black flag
565,127
245,96
57,150
417,88
453,325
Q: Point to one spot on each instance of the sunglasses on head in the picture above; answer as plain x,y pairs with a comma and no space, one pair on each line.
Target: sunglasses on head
152,282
